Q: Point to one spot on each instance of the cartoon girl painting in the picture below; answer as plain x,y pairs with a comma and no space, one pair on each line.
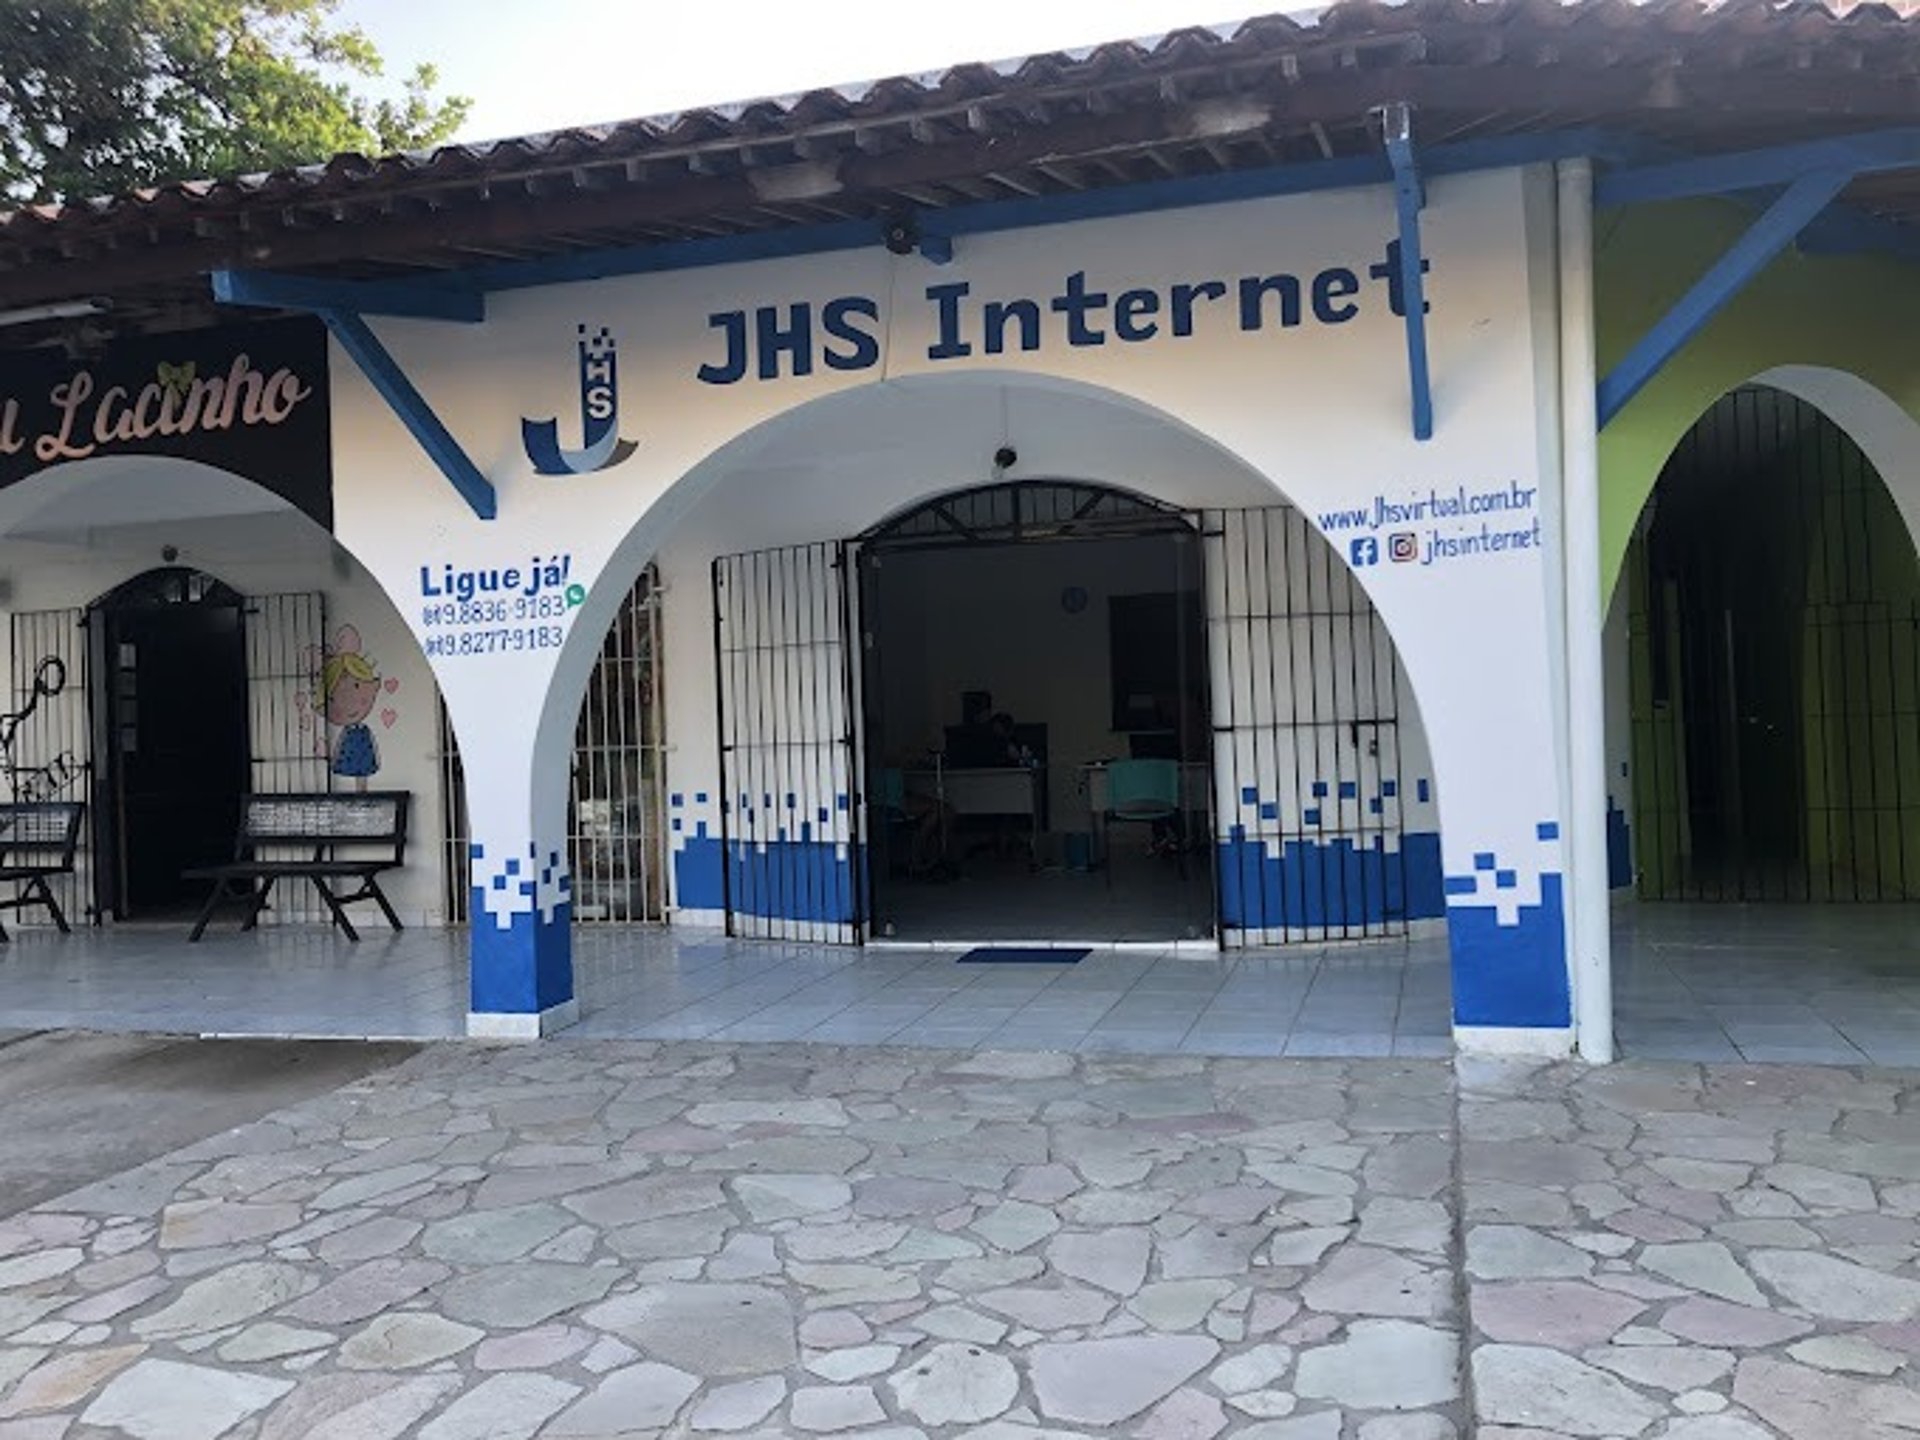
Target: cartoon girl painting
349,688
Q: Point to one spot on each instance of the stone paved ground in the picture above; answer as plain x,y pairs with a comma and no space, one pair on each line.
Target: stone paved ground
581,1240
1693,1253
602,1240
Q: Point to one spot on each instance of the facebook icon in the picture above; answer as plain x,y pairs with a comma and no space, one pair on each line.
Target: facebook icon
1364,551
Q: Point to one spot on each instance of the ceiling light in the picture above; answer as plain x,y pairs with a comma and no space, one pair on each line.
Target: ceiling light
60,310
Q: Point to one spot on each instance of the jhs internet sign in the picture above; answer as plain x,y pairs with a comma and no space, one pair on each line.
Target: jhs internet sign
844,333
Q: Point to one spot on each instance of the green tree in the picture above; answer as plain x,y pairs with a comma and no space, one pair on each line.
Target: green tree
102,96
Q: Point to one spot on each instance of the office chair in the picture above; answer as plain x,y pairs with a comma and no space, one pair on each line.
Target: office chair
1140,792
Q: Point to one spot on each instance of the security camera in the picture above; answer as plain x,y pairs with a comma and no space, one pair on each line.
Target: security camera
901,237
1005,458
169,553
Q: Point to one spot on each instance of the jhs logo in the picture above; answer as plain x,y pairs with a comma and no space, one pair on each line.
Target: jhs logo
601,445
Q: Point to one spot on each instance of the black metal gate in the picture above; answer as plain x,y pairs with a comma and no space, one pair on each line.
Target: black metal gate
48,749
1774,603
789,801
1306,711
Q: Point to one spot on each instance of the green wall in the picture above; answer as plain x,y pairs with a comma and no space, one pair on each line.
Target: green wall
1855,314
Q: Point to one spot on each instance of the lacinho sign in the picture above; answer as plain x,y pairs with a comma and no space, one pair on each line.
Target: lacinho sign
176,402
251,400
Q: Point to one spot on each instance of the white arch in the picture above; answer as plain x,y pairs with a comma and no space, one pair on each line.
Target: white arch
123,499
1887,435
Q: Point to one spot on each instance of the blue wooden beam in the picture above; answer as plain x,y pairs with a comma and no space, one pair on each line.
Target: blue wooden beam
414,299
1409,199
1745,258
1840,229
386,376
1874,152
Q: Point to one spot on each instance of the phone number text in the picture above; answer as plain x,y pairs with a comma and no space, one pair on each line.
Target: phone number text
503,640
492,612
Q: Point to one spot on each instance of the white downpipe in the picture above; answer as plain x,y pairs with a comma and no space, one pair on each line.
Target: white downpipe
1586,842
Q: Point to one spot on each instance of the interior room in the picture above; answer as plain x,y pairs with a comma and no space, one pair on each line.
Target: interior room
1036,739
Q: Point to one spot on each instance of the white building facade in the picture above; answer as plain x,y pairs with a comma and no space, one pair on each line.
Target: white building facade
1243,364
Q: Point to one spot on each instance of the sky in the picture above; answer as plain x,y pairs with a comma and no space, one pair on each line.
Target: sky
533,65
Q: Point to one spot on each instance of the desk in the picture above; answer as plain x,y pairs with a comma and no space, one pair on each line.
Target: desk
996,790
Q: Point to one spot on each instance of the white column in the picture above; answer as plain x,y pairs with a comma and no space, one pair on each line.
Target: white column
1590,936
520,971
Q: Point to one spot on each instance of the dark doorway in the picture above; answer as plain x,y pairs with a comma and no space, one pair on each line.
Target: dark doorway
1033,684
1775,632
170,670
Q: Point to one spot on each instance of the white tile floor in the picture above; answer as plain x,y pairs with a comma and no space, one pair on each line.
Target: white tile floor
293,980
646,983
1373,1000
1810,984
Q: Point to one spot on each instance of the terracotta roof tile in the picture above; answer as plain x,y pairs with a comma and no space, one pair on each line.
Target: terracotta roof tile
1690,75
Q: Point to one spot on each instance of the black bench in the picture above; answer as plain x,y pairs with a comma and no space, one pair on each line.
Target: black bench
37,841
352,837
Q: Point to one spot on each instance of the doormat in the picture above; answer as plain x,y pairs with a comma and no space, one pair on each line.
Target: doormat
999,955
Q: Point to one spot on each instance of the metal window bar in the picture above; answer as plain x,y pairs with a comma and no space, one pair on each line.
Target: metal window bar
51,754
1305,693
787,721
286,638
617,802
616,812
